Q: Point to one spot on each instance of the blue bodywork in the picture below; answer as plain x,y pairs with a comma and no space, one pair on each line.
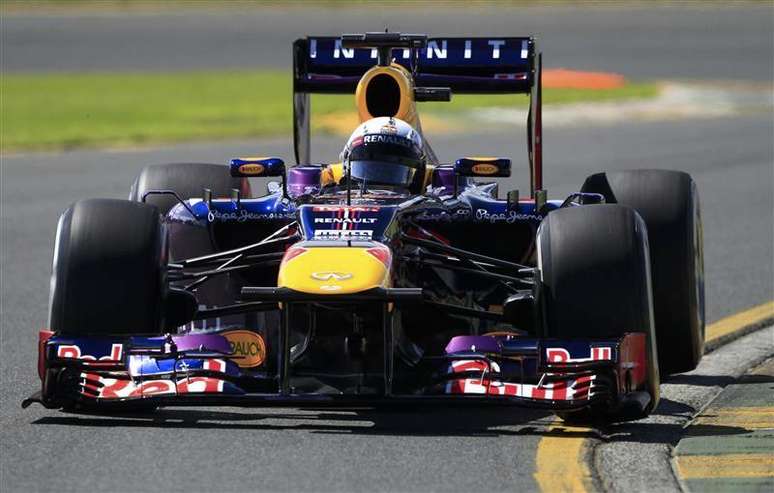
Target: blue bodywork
475,203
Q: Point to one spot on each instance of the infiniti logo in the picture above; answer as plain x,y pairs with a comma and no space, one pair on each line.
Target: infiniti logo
327,276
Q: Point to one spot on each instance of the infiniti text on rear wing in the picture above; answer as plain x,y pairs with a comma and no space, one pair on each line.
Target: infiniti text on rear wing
466,65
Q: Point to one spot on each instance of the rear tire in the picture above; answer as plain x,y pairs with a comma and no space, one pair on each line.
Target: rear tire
187,180
669,204
109,269
596,282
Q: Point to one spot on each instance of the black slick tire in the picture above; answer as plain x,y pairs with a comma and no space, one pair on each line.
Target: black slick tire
188,180
109,269
595,278
668,202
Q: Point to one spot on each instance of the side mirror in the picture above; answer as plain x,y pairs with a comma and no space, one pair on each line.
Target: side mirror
495,167
257,167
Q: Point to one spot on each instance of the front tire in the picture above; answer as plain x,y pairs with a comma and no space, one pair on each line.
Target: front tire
109,269
668,202
595,276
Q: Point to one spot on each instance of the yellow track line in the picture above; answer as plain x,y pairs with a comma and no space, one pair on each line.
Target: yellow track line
559,464
751,418
726,466
559,461
739,321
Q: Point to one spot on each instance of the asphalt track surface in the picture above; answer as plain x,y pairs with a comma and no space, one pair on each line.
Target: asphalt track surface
457,450
640,41
731,160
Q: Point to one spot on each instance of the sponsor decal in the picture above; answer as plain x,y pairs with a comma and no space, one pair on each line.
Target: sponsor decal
327,276
71,351
249,348
506,217
121,387
561,355
433,216
244,215
387,139
436,49
389,129
446,216
484,169
346,220
343,234
344,223
251,169
563,390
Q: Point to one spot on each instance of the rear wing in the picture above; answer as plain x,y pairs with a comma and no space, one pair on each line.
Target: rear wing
466,65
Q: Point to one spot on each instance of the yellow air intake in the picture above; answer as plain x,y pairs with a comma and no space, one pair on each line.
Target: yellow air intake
387,91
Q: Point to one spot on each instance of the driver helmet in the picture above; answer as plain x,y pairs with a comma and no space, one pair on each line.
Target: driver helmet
384,151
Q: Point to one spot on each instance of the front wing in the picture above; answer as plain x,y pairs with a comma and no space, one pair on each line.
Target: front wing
200,369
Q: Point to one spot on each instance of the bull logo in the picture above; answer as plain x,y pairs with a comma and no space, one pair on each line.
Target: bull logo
327,276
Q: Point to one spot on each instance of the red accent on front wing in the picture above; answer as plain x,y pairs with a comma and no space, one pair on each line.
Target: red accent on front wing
120,387
43,336
572,389
633,358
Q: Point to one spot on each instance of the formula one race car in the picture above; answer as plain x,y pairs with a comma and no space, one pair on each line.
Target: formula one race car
388,277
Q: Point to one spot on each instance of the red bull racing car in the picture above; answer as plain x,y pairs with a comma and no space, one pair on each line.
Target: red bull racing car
388,277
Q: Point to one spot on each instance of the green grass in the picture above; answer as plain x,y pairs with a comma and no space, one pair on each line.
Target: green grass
636,90
92,110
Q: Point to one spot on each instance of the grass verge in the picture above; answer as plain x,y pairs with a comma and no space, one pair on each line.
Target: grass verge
61,111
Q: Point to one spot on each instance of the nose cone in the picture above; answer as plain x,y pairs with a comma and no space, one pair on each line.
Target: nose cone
332,270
